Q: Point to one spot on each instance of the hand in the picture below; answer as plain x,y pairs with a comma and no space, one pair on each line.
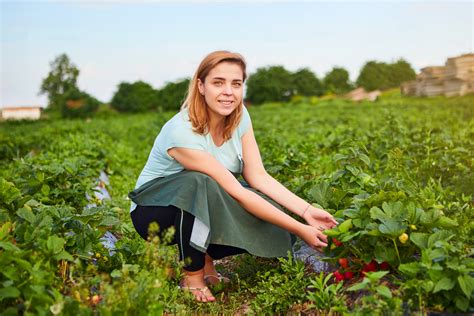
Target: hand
313,237
319,219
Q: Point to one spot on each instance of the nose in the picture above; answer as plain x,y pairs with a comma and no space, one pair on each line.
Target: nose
227,89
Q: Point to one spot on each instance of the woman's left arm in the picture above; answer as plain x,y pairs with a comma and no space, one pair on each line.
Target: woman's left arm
258,178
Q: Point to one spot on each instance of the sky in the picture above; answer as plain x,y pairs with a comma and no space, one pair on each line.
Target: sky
163,41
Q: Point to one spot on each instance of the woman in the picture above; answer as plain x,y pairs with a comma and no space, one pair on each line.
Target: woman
190,182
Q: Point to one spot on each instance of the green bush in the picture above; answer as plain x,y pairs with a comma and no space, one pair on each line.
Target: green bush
76,103
135,97
172,95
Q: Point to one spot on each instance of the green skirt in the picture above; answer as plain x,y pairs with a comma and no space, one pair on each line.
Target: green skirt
219,219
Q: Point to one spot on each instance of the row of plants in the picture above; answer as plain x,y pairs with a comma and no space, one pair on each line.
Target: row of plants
399,181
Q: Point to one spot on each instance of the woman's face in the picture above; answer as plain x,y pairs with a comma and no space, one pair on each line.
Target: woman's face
222,89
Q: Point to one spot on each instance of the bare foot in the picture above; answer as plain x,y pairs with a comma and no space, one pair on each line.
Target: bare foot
194,283
209,268
211,276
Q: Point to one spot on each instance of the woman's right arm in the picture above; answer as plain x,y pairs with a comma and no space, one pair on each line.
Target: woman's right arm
201,161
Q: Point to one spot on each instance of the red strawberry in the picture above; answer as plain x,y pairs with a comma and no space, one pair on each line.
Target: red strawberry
369,267
339,276
348,275
343,262
384,266
337,242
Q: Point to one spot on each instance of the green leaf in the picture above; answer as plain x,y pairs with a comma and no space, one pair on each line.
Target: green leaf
384,291
9,246
392,228
385,253
25,265
462,303
411,268
446,222
45,189
338,157
109,221
55,244
375,276
420,239
26,214
439,235
116,274
8,191
365,159
433,254
429,217
64,255
427,286
376,213
345,226
355,171
9,292
321,193
359,286
466,283
5,230
444,284
331,233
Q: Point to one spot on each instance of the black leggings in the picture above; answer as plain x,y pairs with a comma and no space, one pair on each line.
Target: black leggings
167,216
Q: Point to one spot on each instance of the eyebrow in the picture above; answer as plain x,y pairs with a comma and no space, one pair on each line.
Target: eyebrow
219,78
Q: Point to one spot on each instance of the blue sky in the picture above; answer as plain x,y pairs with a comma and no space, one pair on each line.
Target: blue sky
157,41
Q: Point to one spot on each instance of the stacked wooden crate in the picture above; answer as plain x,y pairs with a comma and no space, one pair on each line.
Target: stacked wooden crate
431,81
459,75
456,78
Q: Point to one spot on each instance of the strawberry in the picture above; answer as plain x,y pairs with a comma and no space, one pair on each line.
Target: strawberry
348,275
343,262
339,276
369,267
337,242
384,266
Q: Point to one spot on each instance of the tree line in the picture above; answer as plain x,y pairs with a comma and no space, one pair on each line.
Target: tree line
267,84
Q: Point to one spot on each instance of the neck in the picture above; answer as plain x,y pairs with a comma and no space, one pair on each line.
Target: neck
216,122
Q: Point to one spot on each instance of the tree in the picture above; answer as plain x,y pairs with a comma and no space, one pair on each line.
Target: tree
172,95
374,75
306,83
337,81
61,78
134,97
76,103
379,75
272,84
401,71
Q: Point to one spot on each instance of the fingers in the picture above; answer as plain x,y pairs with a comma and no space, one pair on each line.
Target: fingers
327,216
323,238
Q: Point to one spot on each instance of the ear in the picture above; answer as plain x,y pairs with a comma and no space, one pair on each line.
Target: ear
200,86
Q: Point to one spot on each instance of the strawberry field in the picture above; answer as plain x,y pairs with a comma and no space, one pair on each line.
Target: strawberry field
397,174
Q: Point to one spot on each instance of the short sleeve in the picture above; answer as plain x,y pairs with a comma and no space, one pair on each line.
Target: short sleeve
180,134
245,122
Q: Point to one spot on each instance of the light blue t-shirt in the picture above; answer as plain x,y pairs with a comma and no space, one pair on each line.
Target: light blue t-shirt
178,132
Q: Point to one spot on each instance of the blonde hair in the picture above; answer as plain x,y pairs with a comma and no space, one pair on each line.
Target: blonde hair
196,103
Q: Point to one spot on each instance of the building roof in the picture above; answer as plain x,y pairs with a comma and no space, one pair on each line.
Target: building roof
22,108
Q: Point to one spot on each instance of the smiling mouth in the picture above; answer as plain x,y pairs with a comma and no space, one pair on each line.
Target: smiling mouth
226,102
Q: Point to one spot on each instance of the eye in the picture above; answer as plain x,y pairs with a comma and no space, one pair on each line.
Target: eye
218,83
237,84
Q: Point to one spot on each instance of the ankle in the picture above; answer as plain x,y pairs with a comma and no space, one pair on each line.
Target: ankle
193,278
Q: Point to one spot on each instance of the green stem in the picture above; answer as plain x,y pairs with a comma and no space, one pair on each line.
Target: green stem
396,249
